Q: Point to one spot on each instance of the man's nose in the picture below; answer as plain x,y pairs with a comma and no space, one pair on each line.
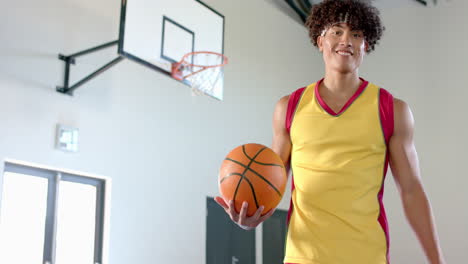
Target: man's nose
345,39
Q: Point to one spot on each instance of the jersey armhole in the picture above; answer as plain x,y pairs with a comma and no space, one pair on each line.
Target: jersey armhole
292,105
386,114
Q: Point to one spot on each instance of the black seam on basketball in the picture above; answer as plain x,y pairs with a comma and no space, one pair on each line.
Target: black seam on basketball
258,162
237,187
256,173
248,181
231,174
253,191
246,169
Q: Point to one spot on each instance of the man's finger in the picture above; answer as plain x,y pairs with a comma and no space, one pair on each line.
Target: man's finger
221,202
232,211
267,215
243,213
258,213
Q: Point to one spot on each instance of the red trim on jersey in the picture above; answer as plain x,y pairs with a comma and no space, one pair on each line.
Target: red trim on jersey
292,104
383,216
348,103
386,113
290,202
386,119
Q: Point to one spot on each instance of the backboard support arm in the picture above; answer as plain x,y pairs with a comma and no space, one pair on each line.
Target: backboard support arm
70,59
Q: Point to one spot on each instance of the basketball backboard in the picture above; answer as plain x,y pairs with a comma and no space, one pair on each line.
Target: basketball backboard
158,33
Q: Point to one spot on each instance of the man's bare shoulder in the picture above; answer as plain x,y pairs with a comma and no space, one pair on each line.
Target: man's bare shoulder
399,104
281,108
400,108
283,102
403,117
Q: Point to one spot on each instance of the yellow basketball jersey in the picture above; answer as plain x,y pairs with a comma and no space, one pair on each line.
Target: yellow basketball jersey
338,163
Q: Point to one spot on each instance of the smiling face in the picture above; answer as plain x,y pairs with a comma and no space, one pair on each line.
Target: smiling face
343,48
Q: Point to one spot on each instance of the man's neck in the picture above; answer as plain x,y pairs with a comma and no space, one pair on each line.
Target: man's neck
341,84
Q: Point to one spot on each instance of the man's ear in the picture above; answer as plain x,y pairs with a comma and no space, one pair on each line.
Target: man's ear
366,46
320,43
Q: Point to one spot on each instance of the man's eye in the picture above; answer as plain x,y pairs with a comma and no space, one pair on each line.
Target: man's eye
357,35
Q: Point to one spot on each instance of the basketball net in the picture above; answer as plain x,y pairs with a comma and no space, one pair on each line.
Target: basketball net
203,70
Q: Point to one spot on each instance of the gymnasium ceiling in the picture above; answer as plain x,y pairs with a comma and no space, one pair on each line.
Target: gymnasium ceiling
298,9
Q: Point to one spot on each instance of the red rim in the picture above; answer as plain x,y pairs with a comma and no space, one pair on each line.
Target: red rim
175,66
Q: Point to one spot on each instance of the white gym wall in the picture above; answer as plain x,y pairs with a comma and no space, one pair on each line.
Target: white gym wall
162,147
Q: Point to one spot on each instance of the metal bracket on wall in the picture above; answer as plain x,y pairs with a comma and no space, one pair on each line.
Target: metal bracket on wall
70,59
422,2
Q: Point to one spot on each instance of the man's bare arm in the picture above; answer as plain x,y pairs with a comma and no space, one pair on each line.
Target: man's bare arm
405,169
281,141
282,146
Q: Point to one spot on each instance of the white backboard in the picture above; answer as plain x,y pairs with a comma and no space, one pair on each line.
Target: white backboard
157,33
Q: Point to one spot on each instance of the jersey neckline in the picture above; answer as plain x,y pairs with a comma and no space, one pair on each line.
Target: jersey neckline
348,103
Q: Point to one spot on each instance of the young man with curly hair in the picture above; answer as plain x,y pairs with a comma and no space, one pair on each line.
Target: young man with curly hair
338,136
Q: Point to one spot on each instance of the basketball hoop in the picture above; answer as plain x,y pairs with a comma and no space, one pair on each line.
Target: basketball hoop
202,69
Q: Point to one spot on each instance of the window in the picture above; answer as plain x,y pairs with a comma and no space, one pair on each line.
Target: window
53,216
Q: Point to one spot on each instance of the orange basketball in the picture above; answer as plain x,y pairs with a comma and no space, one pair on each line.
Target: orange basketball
253,173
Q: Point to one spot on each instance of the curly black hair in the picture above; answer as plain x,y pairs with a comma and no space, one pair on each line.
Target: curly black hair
361,16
